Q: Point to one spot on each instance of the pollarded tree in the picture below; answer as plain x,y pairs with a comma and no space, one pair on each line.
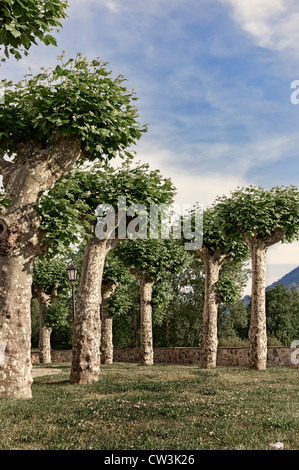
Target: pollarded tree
79,196
262,218
115,273
216,250
49,280
150,260
23,22
48,122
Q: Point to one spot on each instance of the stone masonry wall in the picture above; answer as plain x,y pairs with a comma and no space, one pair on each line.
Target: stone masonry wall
277,356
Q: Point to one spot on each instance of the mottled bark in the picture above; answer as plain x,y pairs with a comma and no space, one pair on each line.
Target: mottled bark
35,170
107,324
45,344
146,328
258,324
15,325
87,324
213,263
44,330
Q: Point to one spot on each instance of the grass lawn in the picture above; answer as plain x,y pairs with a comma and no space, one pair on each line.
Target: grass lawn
161,407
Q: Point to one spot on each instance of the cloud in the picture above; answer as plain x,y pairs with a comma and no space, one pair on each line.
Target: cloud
272,24
192,186
284,253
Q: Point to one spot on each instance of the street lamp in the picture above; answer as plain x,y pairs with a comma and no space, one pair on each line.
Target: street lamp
72,274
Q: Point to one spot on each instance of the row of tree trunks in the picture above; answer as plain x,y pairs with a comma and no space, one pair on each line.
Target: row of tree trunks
213,263
101,330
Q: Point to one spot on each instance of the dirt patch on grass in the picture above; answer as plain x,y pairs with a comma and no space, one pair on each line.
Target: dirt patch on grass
39,372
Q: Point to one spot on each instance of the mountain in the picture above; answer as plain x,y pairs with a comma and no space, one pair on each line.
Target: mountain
289,280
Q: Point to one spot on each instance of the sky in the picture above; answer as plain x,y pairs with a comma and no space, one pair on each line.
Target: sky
213,80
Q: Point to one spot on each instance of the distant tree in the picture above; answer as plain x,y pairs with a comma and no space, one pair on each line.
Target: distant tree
262,218
49,280
233,323
115,274
282,308
124,305
150,260
23,22
182,321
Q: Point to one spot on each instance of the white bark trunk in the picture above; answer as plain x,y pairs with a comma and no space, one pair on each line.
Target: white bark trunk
87,324
44,331
213,263
15,325
35,170
258,327
107,325
146,329
45,345
210,316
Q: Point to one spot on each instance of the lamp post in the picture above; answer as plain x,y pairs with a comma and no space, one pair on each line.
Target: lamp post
72,274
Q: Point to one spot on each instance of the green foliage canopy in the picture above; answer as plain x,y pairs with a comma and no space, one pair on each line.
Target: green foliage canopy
214,239
24,21
255,211
68,209
153,258
77,98
50,273
115,271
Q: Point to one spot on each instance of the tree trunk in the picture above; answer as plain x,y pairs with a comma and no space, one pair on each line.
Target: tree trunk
146,329
44,331
45,345
87,324
107,324
15,324
210,315
34,171
258,327
213,263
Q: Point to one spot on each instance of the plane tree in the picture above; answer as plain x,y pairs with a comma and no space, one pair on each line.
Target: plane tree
150,260
49,281
49,121
216,250
115,274
262,217
90,198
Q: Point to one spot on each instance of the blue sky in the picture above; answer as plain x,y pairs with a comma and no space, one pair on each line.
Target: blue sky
213,80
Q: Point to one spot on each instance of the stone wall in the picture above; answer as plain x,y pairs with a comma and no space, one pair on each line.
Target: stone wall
277,356
56,356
